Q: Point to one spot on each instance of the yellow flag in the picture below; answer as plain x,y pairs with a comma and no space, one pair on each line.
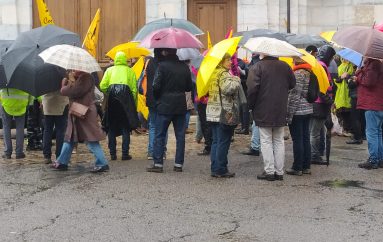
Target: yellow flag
91,37
209,45
45,16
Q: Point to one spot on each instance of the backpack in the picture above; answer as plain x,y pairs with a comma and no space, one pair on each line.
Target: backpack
313,89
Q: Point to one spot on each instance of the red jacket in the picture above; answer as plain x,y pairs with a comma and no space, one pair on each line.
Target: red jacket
370,85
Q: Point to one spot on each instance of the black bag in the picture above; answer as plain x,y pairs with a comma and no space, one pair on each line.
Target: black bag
313,89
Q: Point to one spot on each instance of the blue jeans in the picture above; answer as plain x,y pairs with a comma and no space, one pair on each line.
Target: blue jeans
374,121
112,142
152,131
187,119
162,124
220,147
94,147
255,139
300,134
58,122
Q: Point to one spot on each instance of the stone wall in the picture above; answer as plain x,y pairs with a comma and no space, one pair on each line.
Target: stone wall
15,17
156,9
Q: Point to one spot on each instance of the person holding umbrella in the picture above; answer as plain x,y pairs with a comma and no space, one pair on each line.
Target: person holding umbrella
82,126
14,104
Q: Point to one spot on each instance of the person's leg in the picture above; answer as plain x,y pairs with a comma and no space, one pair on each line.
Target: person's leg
316,125
205,125
374,135
198,134
20,123
225,133
98,153
179,128
306,142
47,136
266,136
66,153
255,138
162,125
125,143
60,125
279,149
296,132
152,125
112,144
355,121
7,122
187,119
213,151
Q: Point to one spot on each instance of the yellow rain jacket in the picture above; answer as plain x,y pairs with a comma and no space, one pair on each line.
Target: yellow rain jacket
120,73
342,97
14,101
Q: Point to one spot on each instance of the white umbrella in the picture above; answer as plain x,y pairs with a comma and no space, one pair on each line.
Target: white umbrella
71,58
271,47
188,53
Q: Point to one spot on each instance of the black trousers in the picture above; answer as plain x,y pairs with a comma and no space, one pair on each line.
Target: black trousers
205,125
357,120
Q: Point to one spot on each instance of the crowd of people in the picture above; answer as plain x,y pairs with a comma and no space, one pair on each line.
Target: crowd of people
265,93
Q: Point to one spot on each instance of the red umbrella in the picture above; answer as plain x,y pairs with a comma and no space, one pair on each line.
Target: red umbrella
365,40
171,38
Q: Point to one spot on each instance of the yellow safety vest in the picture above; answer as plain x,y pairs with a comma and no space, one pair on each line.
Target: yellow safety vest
14,101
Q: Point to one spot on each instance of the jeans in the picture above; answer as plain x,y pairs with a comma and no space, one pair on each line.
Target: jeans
273,149
316,125
255,142
112,141
162,124
220,147
152,131
187,119
244,115
374,121
7,121
59,123
300,134
94,147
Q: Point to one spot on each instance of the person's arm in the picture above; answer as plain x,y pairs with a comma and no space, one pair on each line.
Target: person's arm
369,77
189,83
104,84
79,88
132,83
253,82
157,82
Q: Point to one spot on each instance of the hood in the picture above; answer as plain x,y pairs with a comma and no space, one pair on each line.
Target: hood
325,54
120,59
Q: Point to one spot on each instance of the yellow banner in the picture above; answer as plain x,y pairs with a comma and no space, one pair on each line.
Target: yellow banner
209,44
44,15
91,37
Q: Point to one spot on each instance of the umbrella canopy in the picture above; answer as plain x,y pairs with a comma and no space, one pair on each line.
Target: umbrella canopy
271,47
352,56
379,27
71,58
246,35
327,35
166,23
25,70
188,53
131,49
4,45
171,38
304,40
365,40
211,61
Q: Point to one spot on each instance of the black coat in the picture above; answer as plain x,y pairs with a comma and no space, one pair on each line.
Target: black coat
150,72
121,110
170,83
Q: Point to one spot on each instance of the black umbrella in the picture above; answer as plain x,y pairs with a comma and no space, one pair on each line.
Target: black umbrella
166,23
4,45
304,40
25,70
246,35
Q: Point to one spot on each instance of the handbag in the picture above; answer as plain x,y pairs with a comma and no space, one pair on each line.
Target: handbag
226,117
79,110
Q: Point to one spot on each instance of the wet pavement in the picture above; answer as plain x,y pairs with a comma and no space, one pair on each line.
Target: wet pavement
336,203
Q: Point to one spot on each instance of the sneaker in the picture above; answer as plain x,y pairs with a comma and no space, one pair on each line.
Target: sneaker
177,169
156,169
204,152
265,176
59,167
368,165
251,152
294,172
354,142
306,171
225,175
113,157
150,157
278,177
198,140
126,157
20,156
98,169
188,131
242,131
6,156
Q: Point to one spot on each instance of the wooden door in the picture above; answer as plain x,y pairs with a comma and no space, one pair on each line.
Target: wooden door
215,16
120,19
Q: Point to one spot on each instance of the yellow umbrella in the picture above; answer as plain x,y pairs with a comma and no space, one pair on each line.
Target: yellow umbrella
131,49
317,69
138,68
211,61
327,35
